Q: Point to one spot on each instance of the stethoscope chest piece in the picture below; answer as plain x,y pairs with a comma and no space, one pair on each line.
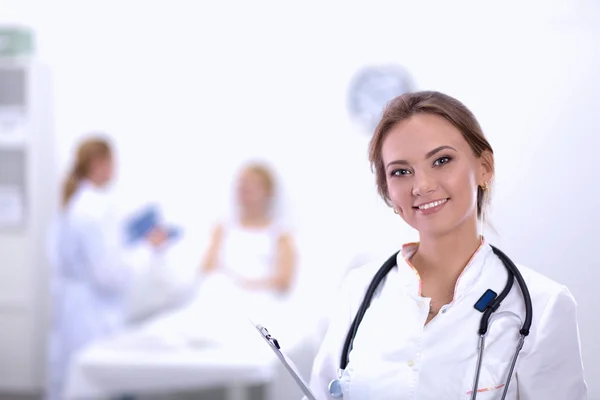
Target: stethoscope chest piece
335,389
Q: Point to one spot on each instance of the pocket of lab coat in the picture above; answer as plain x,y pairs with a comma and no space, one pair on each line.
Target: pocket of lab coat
492,381
501,342
352,386
372,379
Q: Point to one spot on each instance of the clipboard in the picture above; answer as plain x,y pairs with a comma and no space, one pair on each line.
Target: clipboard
142,223
289,365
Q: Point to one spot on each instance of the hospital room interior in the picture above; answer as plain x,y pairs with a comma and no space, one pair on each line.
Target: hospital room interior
233,136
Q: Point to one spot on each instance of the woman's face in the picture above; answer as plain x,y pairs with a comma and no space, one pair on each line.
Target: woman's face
432,174
252,191
103,170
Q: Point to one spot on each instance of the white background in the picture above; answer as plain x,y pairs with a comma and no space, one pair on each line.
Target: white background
190,89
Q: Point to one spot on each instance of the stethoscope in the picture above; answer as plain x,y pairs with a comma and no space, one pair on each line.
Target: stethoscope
487,304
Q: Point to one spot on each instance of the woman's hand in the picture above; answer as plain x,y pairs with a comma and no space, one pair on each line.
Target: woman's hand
210,261
157,237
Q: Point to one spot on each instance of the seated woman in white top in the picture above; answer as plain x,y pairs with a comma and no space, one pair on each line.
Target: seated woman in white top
420,337
253,249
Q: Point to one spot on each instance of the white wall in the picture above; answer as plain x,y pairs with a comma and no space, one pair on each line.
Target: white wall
190,90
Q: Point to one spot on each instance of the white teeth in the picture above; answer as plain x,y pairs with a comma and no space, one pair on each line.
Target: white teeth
432,204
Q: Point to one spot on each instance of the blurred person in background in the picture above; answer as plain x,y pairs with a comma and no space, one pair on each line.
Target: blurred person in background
93,268
253,249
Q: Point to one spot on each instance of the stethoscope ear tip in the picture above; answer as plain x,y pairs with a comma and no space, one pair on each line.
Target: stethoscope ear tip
335,389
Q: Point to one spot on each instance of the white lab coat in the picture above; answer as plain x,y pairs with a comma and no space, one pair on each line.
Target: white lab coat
396,356
92,273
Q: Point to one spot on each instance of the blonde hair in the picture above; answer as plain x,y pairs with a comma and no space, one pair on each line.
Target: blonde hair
88,152
265,174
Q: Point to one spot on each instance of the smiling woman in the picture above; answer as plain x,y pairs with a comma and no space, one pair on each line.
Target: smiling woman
413,328
447,122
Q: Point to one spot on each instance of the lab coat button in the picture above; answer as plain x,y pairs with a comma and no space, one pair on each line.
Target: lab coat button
421,304
411,363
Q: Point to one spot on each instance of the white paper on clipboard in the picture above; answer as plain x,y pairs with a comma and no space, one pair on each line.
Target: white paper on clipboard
289,364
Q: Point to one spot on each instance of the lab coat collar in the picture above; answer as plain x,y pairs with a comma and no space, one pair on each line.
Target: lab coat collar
411,281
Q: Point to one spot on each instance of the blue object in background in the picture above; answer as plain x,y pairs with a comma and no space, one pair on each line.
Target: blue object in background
173,232
142,224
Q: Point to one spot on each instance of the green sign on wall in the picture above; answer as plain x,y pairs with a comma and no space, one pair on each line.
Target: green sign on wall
15,42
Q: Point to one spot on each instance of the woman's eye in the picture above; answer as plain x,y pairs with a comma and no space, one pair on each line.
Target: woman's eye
400,172
442,160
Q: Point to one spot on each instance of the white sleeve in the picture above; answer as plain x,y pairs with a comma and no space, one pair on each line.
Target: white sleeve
554,369
327,360
112,264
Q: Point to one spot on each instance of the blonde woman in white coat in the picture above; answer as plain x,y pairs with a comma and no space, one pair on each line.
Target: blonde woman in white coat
93,269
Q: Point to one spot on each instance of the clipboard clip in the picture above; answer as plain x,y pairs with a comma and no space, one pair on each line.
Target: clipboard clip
265,333
289,365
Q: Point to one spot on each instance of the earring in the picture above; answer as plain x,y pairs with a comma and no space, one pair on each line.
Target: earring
395,211
481,226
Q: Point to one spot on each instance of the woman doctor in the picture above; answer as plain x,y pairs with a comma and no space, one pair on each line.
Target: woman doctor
419,338
93,269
